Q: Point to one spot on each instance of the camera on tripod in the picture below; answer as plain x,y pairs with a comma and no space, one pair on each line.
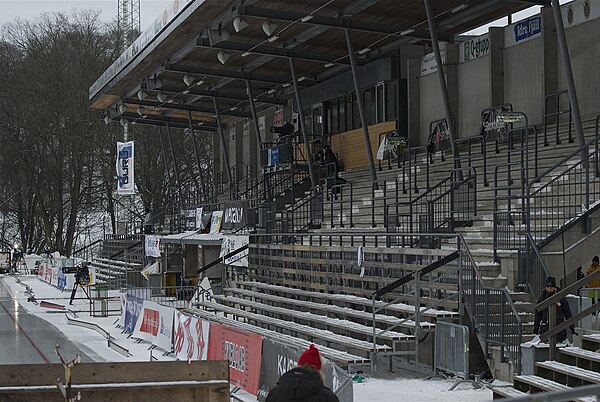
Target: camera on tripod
82,276
283,131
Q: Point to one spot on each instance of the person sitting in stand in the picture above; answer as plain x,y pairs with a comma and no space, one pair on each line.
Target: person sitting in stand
330,162
595,284
563,312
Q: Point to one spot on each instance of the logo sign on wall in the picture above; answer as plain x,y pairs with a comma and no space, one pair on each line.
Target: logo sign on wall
215,221
278,118
191,338
528,28
475,48
243,350
491,127
439,136
235,215
125,176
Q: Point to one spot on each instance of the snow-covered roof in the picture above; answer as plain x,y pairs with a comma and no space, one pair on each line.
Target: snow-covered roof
193,237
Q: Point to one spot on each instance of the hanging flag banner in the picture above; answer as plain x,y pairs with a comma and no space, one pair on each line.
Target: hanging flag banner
152,245
191,337
125,176
155,325
131,313
439,136
150,269
243,350
492,127
231,243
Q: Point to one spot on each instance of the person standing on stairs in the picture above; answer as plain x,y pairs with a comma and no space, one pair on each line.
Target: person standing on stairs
563,312
595,284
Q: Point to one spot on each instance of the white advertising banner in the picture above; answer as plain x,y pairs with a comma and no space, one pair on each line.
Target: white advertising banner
191,338
155,325
215,221
231,243
125,175
152,245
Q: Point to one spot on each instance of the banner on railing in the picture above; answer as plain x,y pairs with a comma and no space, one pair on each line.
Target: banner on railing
155,325
152,245
125,175
131,313
191,338
236,215
231,243
439,136
492,127
243,350
278,358
215,221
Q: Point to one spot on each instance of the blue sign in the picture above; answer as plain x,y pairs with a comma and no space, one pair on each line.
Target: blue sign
273,156
528,28
133,308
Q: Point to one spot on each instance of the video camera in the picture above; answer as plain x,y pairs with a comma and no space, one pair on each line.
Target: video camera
82,276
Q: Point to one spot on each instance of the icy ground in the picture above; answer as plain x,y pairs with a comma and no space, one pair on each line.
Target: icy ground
413,390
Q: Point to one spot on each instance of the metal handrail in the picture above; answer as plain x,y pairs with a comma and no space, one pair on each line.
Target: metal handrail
557,114
483,144
533,278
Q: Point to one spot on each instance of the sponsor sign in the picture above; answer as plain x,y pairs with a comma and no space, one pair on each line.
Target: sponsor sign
125,174
215,221
155,325
523,31
278,118
191,337
246,128
152,245
189,216
428,63
273,156
262,126
474,48
243,351
491,127
235,215
131,313
231,243
579,11
439,136
277,359
199,224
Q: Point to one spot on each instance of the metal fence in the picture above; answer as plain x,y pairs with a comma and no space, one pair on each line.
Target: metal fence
171,296
451,353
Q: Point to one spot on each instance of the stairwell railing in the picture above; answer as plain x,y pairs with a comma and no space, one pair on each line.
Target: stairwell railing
306,213
552,116
410,168
470,157
532,268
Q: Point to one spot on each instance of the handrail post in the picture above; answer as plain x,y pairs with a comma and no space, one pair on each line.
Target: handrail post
551,324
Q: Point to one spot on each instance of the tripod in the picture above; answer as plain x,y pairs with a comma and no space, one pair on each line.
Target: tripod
81,279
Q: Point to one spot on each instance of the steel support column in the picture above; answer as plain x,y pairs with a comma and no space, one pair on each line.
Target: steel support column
311,169
568,70
440,73
175,168
223,144
253,110
361,106
197,154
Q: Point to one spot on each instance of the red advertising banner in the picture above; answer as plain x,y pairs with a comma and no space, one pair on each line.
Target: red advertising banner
242,349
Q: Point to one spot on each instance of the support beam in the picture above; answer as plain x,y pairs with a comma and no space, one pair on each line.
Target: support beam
238,75
152,119
361,106
179,106
223,143
175,167
254,115
311,169
442,79
226,95
568,71
335,22
197,154
270,51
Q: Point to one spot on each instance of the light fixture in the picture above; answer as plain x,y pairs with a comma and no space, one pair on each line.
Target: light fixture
162,97
123,122
271,91
200,123
122,108
246,54
188,79
233,108
269,27
407,32
459,8
142,95
223,56
239,23
302,78
200,83
510,117
273,38
306,18
185,92
224,35
329,65
141,110
107,119
365,50
287,84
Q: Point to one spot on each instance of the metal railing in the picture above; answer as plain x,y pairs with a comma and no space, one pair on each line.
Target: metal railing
532,268
306,213
339,200
451,350
471,158
171,296
573,394
553,117
410,178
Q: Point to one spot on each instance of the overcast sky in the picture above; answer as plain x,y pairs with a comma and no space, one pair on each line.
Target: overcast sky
30,9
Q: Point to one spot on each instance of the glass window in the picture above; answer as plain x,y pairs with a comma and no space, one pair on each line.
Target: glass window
333,117
380,104
349,110
308,121
342,117
318,121
355,114
390,101
370,106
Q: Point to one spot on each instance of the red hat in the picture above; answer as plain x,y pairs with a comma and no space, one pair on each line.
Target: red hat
310,357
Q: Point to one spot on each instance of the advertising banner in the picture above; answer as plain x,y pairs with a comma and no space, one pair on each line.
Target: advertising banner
215,221
474,48
131,313
236,215
491,127
439,136
277,359
155,325
231,243
152,245
242,349
191,338
125,175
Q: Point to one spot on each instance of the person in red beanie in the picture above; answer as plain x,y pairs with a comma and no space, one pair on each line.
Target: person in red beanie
303,383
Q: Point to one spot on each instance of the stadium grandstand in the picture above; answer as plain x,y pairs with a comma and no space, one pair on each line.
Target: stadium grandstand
380,184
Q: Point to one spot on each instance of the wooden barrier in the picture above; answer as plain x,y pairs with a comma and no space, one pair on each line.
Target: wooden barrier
197,381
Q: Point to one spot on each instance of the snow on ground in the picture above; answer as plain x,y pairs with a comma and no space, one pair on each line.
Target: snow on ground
95,346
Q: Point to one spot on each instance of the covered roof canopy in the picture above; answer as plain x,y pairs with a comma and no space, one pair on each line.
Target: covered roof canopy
200,49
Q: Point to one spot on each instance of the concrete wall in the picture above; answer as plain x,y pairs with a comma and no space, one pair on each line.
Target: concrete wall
432,107
523,79
473,95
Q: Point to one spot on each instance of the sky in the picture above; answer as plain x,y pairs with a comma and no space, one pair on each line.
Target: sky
30,9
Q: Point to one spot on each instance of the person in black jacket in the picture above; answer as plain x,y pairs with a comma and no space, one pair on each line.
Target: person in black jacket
563,311
303,383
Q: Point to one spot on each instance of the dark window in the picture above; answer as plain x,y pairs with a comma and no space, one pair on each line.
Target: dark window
355,114
318,121
308,121
333,117
342,117
390,101
370,106
380,104
349,110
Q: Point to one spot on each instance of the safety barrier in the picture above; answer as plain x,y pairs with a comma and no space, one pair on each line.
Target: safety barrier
451,353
